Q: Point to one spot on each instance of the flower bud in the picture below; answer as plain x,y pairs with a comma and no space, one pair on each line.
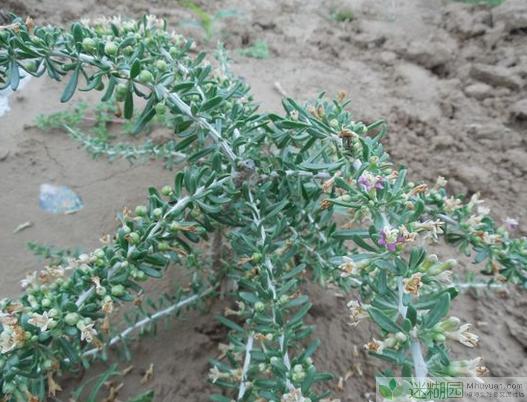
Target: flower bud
89,44
438,268
110,48
439,338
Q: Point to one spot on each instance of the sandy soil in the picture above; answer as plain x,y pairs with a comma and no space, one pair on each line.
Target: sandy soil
449,78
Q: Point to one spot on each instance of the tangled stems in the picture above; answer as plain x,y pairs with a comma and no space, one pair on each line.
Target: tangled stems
280,188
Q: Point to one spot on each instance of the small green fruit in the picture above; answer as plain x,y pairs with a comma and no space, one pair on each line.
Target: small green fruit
146,77
134,237
163,246
120,92
128,50
157,212
118,290
141,210
32,66
161,65
71,319
167,190
161,109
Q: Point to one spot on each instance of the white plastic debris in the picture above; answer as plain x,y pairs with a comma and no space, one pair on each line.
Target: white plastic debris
5,93
59,199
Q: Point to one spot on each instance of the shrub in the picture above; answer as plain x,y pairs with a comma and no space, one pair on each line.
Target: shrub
308,195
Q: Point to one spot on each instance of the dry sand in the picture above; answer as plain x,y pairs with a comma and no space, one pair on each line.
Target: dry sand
449,78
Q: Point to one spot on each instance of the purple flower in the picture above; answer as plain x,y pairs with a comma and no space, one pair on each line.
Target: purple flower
389,238
511,224
367,182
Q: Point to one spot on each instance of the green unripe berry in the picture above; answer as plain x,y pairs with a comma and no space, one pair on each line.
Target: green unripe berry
101,291
89,44
133,237
259,306
163,246
118,290
72,319
45,302
297,377
334,123
53,313
128,50
110,48
275,360
257,257
162,65
141,210
283,299
161,109
145,77
120,92
167,190
173,51
31,66
157,212
47,364
298,368
99,253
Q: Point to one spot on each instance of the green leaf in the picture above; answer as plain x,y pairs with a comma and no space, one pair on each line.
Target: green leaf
439,310
361,243
151,272
211,103
383,321
147,396
96,388
129,105
72,85
14,74
350,234
229,324
219,398
135,69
